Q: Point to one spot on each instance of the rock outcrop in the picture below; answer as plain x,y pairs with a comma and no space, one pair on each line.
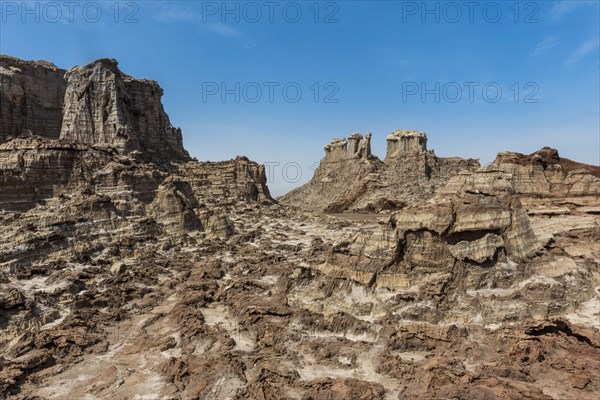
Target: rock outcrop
105,106
436,237
228,182
351,179
127,275
96,104
401,143
96,139
355,147
538,175
31,98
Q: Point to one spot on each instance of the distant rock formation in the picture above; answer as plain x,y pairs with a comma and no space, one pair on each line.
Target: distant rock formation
95,104
400,143
350,178
540,174
96,137
355,147
480,218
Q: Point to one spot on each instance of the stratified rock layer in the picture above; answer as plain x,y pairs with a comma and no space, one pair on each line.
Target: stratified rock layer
538,175
31,98
128,276
350,178
105,106
95,104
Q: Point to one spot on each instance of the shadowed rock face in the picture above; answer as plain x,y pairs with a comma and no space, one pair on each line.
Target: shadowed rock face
95,104
31,98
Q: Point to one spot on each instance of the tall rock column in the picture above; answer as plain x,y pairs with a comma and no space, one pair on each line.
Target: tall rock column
104,106
344,149
403,142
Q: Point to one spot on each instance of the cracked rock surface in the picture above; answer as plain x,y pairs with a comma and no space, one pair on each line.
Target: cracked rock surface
124,276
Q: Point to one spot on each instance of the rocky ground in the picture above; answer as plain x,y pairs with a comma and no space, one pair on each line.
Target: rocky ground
126,276
254,317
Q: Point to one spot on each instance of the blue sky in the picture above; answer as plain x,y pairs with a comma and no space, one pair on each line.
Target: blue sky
378,66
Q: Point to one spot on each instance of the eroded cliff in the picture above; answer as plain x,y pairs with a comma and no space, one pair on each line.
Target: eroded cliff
351,179
127,275
95,104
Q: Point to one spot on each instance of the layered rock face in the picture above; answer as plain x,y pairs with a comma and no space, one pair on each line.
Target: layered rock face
125,276
479,250
436,237
105,106
401,143
228,182
355,147
31,98
350,178
538,175
345,174
113,150
95,104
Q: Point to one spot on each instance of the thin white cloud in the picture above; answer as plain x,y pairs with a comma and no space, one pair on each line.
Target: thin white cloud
167,12
583,50
564,7
545,45
222,29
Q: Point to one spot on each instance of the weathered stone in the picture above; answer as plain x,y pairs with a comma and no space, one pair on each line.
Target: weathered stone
402,142
436,217
227,182
11,298
353,147
540,174
481,217
350,178
479,250
31,98
484,291
118,268
103,106
95,104
174,206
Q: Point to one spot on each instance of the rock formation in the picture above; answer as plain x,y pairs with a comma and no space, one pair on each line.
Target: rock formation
31,98
401,143
355,147
129,272
112,161
95,104
352,179
105,106
436,237
541,174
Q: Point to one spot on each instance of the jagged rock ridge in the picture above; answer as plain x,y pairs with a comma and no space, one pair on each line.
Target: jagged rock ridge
542,174
350,178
